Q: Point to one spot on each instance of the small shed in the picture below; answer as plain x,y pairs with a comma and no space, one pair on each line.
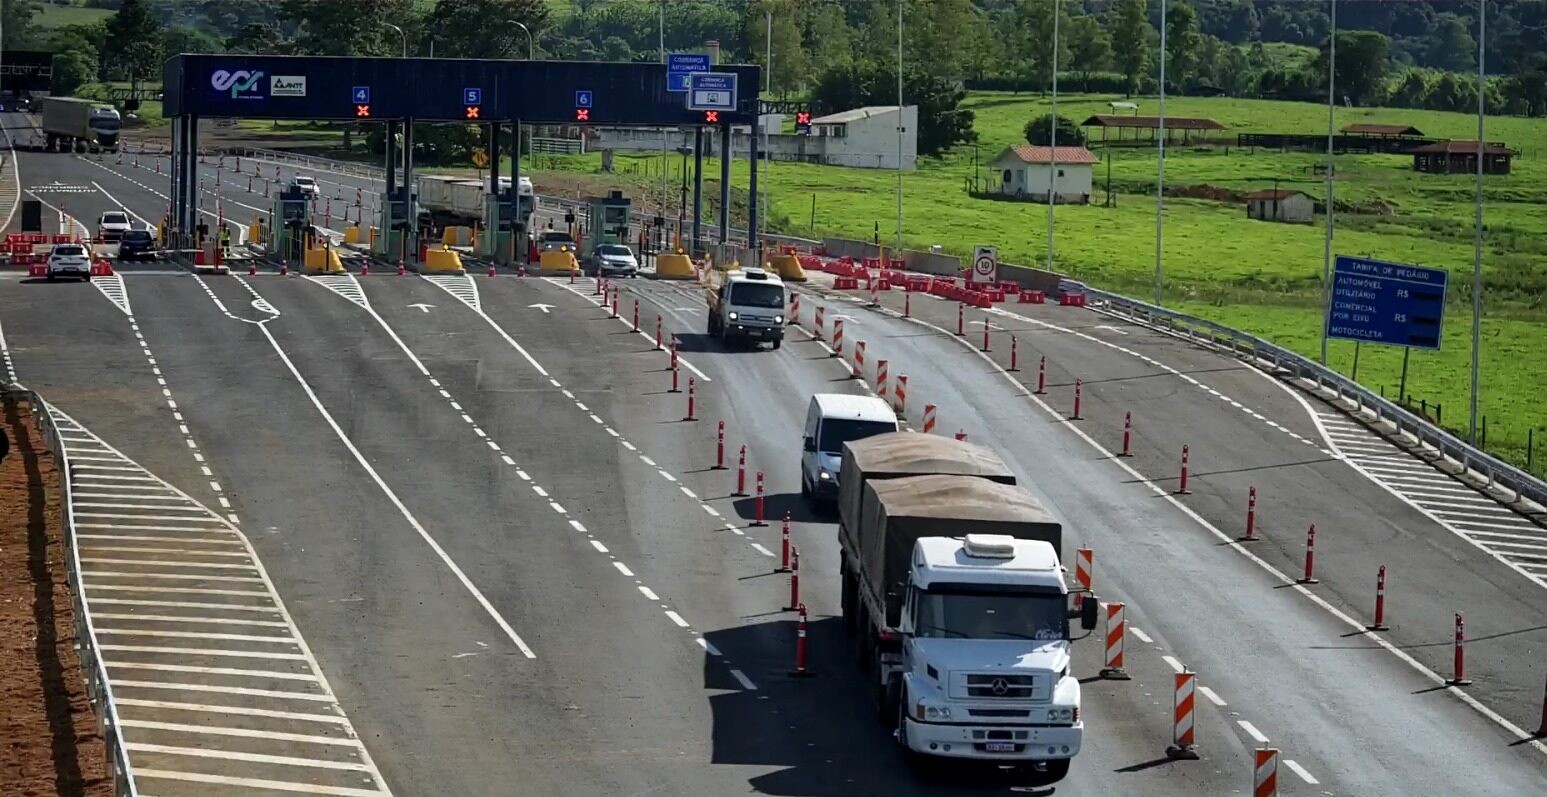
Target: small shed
1460,157
1189,126
1029,172
1282,205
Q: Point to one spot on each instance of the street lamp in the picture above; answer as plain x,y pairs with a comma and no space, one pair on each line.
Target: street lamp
400,33
529,46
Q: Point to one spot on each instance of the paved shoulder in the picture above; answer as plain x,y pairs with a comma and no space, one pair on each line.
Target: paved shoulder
215,687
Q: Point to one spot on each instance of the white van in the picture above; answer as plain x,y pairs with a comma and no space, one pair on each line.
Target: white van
832,420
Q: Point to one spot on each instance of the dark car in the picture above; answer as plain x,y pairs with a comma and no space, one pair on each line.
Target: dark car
137,245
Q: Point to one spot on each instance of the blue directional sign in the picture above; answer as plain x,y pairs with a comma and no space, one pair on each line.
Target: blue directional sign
712,91
1393,303
582,99
361,94
472,96
680,65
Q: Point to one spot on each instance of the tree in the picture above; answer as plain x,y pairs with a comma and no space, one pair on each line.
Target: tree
828,38
179,39
356,27
942,29
1037,23
1450,94
1526,90
1039,131
1236,76
1412,92
777,21
485,28
254,37
74,68
942,123
134,42
1450,45
1130,40
17,16
1089,47
1361,65
1182,42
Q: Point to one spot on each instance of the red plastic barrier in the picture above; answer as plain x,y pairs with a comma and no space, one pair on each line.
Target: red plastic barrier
846,283
1009,287
1033,297
898,263
1072,299
994,295
872,262
61,238
13,237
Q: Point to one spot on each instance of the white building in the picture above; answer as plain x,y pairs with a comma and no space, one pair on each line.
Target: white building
1029,172
1294,207
864,138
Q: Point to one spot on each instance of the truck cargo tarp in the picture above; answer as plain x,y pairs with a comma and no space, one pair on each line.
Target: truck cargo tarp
897,512
890,456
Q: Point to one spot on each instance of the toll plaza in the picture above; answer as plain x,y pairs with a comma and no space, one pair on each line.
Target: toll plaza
397,92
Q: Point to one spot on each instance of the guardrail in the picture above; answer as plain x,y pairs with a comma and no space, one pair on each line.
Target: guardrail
1495,471
98,688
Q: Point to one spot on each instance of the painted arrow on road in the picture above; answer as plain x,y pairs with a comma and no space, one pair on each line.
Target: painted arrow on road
543,307
423,308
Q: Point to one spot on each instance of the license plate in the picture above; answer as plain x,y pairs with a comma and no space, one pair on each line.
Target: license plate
1000,747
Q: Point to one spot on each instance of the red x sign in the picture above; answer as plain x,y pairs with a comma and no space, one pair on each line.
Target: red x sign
472,112
582,114
711,117
362,110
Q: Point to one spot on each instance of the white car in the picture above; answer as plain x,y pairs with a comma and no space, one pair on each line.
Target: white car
609,260
69,260
112,225
306,185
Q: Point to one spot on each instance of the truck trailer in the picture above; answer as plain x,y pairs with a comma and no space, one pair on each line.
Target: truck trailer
453,201
71,124
954,591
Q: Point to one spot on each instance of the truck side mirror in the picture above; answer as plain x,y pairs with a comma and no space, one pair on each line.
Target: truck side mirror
810,444
1088,611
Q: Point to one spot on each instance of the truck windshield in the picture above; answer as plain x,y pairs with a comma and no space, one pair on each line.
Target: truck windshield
757,294
837,431
992,615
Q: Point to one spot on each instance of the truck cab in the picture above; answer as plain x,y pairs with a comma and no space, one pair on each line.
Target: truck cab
985,655
747,304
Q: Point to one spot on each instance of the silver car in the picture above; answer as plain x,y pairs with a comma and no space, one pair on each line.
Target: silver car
69,260
612,260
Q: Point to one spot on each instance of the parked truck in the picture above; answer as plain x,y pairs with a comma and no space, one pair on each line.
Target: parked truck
954,590
746,305
73,124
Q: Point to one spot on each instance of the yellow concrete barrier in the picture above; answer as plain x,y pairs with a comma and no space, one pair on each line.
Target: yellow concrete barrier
555,261
788,268
351,235
443,261
674,267
323,260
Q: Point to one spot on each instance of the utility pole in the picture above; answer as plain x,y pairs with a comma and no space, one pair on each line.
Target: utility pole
897,250
1160,182
1326,255
1052,175
1477,224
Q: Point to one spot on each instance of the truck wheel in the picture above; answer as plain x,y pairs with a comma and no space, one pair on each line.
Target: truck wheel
1051,772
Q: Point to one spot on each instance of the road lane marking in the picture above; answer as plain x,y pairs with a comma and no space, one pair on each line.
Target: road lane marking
623,568
1251,730
741,678
1142,637
1294,766
255,758
676,618
1173,663
245,711
257,783
648,593
1213,697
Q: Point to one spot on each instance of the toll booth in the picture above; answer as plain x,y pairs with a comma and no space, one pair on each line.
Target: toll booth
609,217
508,242
287,239
399,225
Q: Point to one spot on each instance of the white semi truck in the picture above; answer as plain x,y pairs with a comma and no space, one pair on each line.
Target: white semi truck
73,124
450,200
954,590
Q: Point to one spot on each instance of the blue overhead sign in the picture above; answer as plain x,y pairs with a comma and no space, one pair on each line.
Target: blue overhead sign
1393,303
712,92
582,99
680,65
361,94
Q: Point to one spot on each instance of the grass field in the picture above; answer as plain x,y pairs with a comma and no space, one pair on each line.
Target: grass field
1258,276
52,16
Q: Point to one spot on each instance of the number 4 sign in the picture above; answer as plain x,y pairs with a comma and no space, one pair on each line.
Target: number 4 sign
985,265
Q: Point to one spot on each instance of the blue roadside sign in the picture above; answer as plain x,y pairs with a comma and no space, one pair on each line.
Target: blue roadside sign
712,92
680,65
1393,303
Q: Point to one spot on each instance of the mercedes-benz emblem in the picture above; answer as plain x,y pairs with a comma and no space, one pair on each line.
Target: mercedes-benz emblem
1000,687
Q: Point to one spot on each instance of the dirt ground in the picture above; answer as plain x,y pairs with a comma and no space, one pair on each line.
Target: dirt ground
48,740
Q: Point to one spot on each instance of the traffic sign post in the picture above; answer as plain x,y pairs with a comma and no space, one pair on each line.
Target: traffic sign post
680,65
712,91
1393,303
985,265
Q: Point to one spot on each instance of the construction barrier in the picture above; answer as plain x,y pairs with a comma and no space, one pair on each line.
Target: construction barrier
443,261
929,418
1032,297
1184,743
322,260
674,267
1084,567
789,268
1265,772
1117,631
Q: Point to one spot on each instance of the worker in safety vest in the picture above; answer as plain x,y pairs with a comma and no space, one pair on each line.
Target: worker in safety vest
225,240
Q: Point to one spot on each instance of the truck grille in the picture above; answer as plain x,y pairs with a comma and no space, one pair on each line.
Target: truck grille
1014,687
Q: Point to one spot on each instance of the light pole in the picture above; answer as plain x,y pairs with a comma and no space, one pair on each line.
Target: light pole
1477,233
1052,175
400,33
1160,182
529,48
897,251
1326,255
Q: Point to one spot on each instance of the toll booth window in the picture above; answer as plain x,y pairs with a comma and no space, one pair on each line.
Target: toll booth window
617,215
754,294
294,211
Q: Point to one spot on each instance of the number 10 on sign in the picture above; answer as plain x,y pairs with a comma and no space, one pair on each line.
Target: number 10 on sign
985,264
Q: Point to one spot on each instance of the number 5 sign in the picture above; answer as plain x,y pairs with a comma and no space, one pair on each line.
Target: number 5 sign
985,265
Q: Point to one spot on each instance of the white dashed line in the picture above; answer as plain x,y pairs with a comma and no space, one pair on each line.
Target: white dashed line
741,678
1212,696
623,568
597,544
1294,766
676,618
648,593
1140,635
1173,663
1251,730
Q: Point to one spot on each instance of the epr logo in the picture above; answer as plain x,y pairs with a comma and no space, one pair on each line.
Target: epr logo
241,83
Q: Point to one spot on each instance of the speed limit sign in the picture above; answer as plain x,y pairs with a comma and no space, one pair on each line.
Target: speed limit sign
985,265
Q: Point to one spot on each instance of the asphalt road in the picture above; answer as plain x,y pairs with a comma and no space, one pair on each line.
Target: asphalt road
441,476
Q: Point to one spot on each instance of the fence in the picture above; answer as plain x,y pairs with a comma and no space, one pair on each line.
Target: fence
98,688
1495,471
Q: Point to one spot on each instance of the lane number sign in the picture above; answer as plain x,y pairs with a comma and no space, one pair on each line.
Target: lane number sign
985,265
